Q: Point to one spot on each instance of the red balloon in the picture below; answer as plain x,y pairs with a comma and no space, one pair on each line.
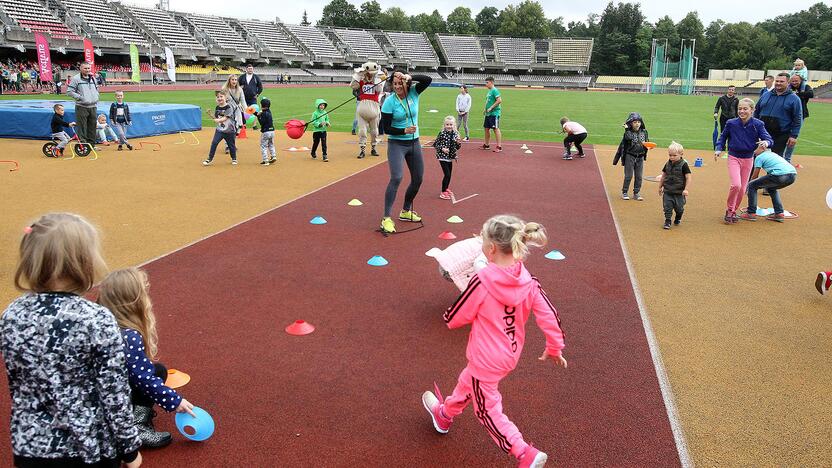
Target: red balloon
295,128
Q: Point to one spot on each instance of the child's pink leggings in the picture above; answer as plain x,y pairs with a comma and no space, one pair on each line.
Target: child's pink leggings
739,169
488,406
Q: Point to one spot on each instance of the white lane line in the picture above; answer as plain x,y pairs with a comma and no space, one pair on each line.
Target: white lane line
652,343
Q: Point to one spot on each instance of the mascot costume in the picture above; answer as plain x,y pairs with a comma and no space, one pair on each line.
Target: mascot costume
368,84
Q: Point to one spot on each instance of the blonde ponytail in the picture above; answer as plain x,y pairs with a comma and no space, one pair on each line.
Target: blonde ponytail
512,235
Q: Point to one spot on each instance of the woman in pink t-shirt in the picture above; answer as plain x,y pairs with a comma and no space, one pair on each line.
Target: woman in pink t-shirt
575,133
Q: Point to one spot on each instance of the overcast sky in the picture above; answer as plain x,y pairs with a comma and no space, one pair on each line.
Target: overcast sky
291,11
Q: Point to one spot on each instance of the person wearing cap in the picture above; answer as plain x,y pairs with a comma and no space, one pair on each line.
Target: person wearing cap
632,154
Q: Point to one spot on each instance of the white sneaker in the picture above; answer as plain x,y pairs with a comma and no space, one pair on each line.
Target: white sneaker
624,196
233,162
207,162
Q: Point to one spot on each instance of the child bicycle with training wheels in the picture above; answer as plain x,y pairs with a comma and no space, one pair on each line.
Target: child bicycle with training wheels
56,149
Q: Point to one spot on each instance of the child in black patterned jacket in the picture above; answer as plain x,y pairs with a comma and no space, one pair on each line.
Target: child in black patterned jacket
447,143
64,355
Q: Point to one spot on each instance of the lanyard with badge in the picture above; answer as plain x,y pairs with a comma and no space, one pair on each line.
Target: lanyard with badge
406,109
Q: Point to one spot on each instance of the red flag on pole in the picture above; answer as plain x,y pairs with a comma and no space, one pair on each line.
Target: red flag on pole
89,55
44,59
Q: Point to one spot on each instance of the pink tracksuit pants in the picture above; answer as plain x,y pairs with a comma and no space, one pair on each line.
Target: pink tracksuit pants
488,406
739,170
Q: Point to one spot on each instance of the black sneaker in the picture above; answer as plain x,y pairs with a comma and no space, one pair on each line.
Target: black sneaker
119,148
677,221
272,160
325,159
353,132
373,152
667,224
361,154
264,163
314,156
129,146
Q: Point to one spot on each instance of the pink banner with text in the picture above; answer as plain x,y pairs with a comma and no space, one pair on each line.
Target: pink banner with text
44,59
89,55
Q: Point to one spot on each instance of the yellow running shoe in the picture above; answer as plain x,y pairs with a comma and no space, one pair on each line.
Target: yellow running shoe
410,216
387,225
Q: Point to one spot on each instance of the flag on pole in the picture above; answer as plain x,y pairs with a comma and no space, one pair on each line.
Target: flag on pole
44,59
89,55
171,64
134,64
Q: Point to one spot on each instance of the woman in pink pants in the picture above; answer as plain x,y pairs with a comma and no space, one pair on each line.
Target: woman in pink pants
743,135
497,303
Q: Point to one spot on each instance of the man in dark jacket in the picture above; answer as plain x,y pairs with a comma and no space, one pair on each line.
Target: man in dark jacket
726,107
795,83
251,84
782,113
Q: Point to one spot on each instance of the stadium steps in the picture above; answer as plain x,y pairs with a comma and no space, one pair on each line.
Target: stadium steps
387,45
122,10
340,45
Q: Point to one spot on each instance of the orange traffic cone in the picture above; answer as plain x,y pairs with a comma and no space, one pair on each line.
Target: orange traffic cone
242,134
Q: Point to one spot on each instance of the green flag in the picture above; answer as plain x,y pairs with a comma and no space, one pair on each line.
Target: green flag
134,64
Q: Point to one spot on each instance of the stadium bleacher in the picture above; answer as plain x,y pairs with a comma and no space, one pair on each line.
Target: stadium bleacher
514,50
106,22
163,25
272,37
219,32
568,53
34,17
362,43
315,41
461,49
415,47
329,72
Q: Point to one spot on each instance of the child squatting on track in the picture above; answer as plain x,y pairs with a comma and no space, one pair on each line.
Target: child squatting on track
125,293
447,143
497,304
632,153
64,355
674,183
58,124
575,134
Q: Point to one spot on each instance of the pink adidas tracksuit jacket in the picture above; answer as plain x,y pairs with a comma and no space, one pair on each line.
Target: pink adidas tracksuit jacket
497,303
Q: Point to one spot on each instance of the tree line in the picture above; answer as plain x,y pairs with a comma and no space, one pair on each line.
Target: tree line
623,36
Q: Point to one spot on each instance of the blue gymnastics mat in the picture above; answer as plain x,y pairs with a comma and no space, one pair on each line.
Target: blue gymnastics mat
31,118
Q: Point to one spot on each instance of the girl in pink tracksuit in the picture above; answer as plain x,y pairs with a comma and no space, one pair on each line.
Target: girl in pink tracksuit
497,303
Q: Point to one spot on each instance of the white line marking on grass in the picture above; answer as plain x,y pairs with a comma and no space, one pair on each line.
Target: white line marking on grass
256,216
814,142
652,343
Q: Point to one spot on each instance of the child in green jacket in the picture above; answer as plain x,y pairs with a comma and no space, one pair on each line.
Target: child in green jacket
320,121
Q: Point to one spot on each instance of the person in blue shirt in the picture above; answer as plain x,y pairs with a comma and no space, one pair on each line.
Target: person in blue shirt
125,294
782,112
400,118
779,174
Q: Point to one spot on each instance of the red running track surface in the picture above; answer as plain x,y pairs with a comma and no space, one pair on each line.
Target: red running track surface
349,394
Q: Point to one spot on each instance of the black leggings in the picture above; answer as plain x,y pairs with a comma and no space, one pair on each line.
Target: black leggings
140,399
447,169
399,153
577,139
319,137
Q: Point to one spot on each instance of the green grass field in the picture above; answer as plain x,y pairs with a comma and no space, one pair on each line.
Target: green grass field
530,114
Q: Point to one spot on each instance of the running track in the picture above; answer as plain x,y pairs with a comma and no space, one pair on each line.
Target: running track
349,394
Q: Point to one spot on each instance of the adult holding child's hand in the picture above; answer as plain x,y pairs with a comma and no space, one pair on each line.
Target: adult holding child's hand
400,119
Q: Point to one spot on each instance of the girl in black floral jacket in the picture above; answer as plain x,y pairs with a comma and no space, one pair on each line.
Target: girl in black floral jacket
64,355
447,143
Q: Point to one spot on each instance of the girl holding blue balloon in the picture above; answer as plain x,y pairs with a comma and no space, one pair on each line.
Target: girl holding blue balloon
125,293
